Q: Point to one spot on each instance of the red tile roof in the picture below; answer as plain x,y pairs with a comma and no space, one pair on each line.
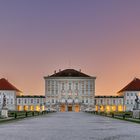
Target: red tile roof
134,85
5,85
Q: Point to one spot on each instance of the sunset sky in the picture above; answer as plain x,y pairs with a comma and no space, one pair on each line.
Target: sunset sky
101,37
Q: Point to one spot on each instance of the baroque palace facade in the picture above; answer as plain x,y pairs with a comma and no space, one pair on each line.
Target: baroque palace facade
69,90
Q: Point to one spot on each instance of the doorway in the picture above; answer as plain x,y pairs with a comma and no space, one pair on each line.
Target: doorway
69,108
63,108
77,108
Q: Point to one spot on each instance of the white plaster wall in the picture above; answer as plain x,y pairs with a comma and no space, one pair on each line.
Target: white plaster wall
10,99
58,88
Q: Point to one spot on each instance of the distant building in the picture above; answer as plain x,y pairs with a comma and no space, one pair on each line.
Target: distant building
11,92
109,103
129,93
69,90
30,103
16,101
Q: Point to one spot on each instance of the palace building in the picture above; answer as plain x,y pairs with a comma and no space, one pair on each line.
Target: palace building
69,90
109,103
16,101
10,91
129,93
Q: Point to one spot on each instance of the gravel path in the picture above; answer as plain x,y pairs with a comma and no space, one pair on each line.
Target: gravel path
70,126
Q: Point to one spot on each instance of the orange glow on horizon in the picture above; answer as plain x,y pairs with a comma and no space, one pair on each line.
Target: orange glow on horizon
96,38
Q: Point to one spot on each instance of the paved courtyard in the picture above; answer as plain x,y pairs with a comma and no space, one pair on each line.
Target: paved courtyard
70,126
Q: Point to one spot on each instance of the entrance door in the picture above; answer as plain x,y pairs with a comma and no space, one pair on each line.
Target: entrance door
77,108
62,108
69,108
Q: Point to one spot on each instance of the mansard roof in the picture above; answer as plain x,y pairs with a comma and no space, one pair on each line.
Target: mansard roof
69,73
5,85
134,85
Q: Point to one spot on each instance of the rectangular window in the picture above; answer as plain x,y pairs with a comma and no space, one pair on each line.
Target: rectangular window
69,86
19,101
107,101
62,86
101,101
38,101
120,101
95,101
11,101
31,101
114,101
52,100
76,86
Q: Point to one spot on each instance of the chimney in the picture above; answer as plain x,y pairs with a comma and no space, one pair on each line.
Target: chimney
79,70
59,70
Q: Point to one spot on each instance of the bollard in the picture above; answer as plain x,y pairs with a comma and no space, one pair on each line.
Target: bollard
26,115
112,115
33,114
15,115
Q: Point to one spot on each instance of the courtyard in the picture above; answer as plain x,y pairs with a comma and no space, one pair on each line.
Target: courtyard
69,126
